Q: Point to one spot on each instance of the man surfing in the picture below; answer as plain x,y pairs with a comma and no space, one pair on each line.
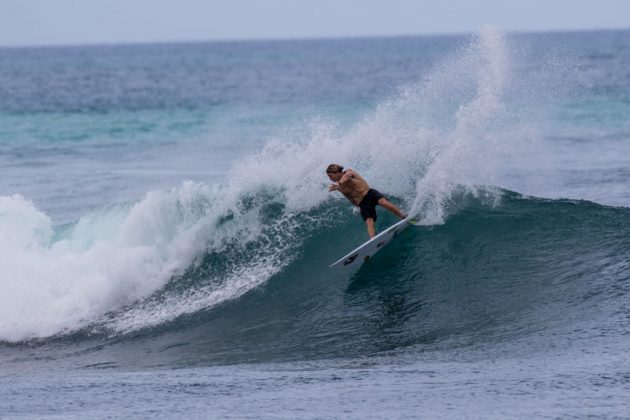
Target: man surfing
357,190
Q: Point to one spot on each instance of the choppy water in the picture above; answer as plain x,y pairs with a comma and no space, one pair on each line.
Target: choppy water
165,229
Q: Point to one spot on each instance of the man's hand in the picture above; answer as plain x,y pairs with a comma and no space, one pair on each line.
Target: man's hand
334,187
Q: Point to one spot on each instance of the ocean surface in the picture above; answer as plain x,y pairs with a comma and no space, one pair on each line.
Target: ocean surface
166,229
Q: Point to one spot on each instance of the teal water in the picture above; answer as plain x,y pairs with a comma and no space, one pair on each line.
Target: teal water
165,229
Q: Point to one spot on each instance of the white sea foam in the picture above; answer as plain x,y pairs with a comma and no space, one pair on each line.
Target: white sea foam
468,153
106,260
454,129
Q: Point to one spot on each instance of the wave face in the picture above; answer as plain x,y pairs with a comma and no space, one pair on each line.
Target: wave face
238,270
495,272
523,269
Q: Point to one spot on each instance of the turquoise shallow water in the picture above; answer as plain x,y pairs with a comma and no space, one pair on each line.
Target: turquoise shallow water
165,229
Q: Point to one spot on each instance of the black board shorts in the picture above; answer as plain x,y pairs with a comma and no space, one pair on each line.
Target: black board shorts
368,204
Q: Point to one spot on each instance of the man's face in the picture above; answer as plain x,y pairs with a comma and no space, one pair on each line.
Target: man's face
334,176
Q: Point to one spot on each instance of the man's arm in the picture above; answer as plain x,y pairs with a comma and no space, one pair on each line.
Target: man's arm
349,174
346,176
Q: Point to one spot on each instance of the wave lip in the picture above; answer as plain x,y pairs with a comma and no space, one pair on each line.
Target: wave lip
59,280
134,266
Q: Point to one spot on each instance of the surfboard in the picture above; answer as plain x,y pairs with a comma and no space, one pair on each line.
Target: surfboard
371,247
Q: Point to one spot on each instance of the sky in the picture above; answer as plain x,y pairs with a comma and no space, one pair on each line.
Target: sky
83,22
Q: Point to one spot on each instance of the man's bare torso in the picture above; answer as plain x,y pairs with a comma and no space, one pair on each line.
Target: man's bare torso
353,187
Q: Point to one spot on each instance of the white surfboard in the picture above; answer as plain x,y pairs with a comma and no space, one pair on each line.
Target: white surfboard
371,247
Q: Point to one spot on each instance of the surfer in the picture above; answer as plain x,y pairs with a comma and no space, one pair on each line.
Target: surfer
357,190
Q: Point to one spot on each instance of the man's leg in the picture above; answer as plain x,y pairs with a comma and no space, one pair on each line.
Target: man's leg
370,227
391,207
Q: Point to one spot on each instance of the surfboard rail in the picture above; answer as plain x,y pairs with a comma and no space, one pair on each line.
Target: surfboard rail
367,250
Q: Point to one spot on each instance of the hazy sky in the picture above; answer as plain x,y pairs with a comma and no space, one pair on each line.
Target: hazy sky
50,22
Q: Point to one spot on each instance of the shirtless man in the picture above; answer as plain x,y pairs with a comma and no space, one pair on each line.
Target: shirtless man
350,184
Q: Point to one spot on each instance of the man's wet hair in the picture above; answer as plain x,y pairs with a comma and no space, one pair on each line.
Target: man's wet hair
333,168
